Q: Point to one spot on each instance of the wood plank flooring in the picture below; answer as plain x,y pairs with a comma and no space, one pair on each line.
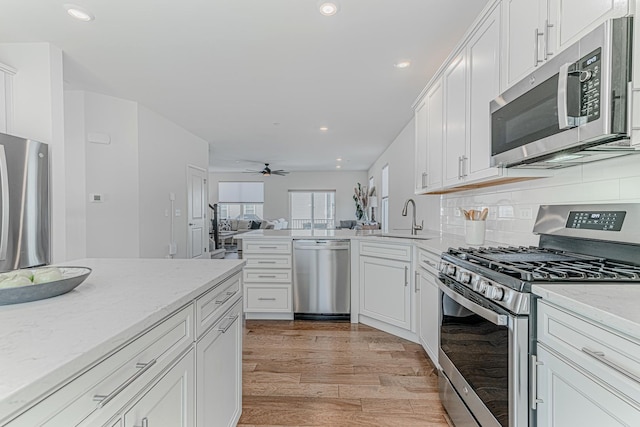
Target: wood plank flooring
304,373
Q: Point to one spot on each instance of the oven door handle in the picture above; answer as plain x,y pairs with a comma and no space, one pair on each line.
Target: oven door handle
485,313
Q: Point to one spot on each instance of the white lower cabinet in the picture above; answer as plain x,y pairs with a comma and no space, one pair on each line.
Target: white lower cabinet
585,373
385,290
429,304
169,402
219,368
571,397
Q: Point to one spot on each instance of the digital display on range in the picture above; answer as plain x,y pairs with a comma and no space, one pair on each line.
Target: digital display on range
591,220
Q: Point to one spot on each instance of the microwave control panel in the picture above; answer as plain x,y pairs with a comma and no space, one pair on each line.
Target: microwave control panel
590,69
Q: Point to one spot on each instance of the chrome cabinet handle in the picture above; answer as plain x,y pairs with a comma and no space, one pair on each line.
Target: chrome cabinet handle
266,299
464,161
4,238
266,262
267,247
103,400
536,58
267,276
227,298
547,26
424,179
406,276
416,277
226,327
533,392
145,423
600,356
459,167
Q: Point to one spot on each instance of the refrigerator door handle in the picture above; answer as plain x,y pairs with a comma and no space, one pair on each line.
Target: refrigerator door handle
4,238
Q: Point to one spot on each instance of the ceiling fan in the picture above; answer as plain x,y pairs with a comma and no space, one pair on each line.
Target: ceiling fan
267,171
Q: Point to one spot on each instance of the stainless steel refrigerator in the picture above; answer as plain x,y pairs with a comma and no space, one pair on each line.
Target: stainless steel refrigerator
24,203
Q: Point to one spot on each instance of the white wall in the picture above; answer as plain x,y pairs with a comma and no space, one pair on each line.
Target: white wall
76,175
165,150
112,171
400,158
38,114
276,189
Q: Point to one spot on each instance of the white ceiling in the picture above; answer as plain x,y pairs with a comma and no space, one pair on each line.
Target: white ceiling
257,78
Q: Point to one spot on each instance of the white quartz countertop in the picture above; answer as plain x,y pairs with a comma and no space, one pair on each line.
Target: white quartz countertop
44,342
428,239
615,306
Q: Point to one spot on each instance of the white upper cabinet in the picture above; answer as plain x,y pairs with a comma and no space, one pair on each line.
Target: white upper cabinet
6,98
420,120
525,33
484,85
428,144
455,106
535,30
435,134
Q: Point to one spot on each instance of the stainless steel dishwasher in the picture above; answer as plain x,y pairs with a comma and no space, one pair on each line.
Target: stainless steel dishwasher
321,279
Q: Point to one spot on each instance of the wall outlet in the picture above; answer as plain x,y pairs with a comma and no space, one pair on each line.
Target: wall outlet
178,212
525,213
166,212
173,248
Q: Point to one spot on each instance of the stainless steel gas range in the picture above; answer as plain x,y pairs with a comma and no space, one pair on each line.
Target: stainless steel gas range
487,317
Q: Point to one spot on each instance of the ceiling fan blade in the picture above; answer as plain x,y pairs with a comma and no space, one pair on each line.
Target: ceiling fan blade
279,172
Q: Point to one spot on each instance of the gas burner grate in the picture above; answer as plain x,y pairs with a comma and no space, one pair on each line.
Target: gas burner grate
538,264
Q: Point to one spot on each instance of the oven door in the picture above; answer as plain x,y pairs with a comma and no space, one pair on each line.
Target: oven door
484,358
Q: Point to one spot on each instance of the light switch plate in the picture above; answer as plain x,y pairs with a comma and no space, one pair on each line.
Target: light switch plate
95,198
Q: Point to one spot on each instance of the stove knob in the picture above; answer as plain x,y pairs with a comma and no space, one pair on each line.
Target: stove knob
451,270
465,277
495,293
483,286
443,267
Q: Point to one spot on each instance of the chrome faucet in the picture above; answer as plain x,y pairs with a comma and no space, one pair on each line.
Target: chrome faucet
414,227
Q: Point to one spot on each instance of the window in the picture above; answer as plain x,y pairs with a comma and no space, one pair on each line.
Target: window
241,200
384,202
312,209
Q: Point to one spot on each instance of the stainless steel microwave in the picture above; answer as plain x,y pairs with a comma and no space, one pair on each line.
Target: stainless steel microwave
572,109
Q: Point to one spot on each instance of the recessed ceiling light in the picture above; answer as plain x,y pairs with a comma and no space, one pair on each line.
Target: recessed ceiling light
402,64
328,8
324,128
79,13
339,159
338,166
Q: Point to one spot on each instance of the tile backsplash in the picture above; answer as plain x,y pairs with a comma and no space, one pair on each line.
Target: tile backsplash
514,207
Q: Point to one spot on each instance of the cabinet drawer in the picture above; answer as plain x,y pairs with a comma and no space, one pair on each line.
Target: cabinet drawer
267,261
267,276
272,299
104,388
612,357
266,246
429,261
210,306
386,250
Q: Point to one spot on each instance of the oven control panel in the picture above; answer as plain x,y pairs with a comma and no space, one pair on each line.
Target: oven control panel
589,78
512,300
596,220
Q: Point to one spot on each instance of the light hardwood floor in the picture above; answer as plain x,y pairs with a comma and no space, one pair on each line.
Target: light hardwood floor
307,373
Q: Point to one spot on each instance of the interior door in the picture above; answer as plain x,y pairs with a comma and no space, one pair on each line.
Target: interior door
197,230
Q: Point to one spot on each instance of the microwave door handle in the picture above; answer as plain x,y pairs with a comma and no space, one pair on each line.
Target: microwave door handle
564,121
4,189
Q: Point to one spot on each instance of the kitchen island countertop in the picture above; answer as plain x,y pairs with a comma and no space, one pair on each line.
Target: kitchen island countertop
42,343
